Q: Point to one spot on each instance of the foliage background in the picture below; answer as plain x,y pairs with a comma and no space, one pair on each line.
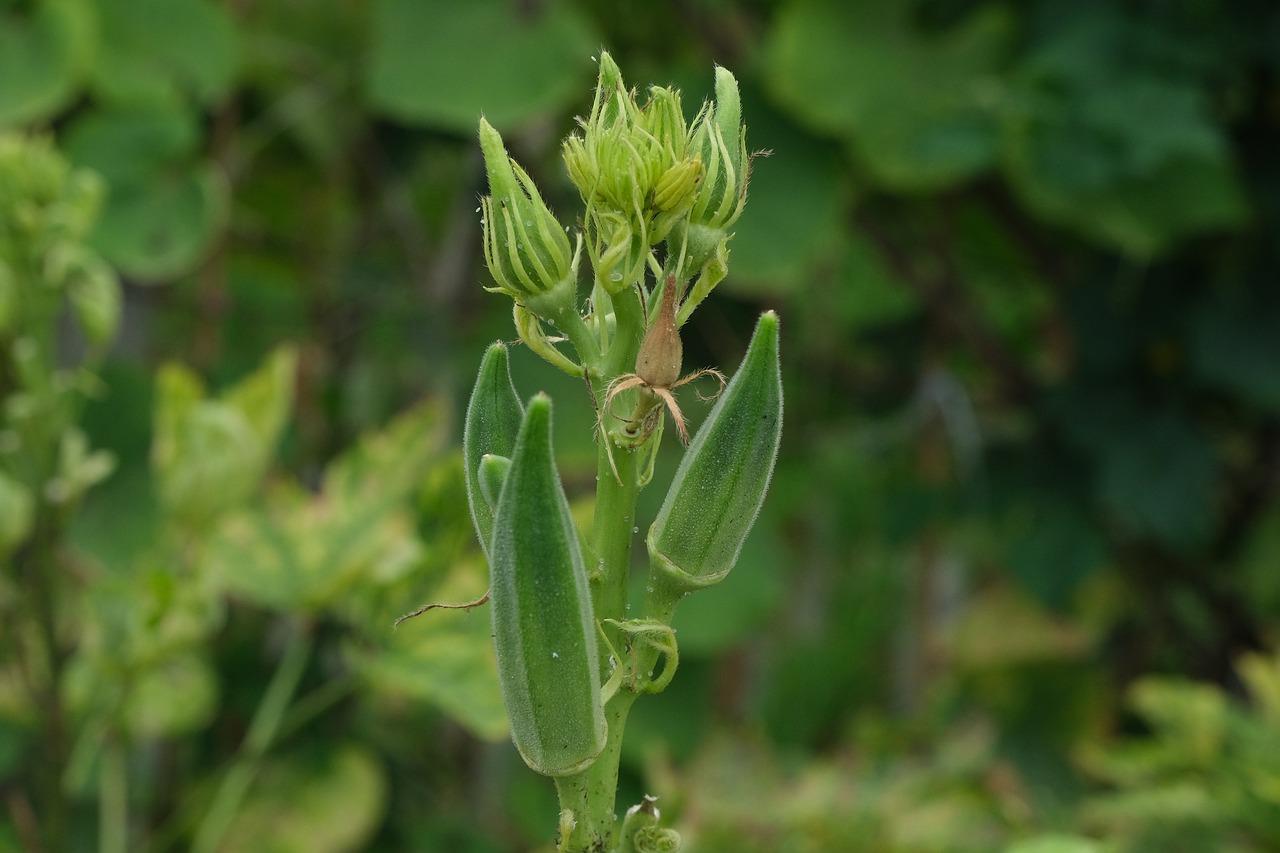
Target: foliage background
1026,521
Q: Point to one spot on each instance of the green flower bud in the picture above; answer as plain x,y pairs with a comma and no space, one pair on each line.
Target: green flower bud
491,425
720,139
722,479
525,247
543,626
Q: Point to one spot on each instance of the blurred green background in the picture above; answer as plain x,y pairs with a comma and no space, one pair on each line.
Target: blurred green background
1017,583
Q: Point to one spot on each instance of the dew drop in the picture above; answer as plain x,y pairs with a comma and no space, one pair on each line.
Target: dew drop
615,276
555,655
635,530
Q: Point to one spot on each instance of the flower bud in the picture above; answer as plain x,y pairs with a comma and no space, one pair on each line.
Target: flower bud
525,248
720,485
720,139
491,425
543,626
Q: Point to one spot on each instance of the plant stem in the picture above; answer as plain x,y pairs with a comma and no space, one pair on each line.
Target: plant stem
113,798
262,732
591,793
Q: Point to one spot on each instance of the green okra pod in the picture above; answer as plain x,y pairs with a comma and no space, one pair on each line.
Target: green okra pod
493,473
492,423
543,625
721,482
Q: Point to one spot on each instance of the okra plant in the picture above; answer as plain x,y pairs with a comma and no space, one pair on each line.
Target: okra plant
660,197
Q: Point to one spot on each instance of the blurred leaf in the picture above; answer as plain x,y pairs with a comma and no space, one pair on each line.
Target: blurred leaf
312,551
1235,346
1259,564
208,455
444,657
180,695
917,107
1055,844
743,601
1004,628
1158,479
444,64
160,50
1052,547
1120,150
795,207
327,801
16,514
164,208
43,51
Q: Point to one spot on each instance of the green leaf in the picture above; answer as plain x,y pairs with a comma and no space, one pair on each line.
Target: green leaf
1158,479
43,54
162,50
919,109
327,801
164,208
794,212
441,64
209,455
178,695
1116,146
544,632
299,550
445,658
17,510
1055,844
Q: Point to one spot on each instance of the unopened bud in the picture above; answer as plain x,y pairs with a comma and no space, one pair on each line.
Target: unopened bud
525,248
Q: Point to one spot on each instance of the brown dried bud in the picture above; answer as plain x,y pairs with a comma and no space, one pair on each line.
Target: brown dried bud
658,362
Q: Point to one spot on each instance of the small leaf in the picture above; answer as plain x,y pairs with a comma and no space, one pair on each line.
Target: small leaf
16,513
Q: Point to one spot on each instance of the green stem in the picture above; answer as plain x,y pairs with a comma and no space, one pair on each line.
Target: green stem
113,799
591,794
262,732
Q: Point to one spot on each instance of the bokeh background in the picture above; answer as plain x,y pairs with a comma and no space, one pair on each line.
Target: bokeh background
1018,577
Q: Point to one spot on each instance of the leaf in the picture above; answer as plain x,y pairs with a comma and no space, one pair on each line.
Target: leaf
1004,628
444,657
326,801
43,54
917,108
1234,345
162,50
443,64
1158,479
17,511
298,550
208,456
1113,145
164,207
179,695
794,211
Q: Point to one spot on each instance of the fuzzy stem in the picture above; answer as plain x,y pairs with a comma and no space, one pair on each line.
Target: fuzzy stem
591,794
